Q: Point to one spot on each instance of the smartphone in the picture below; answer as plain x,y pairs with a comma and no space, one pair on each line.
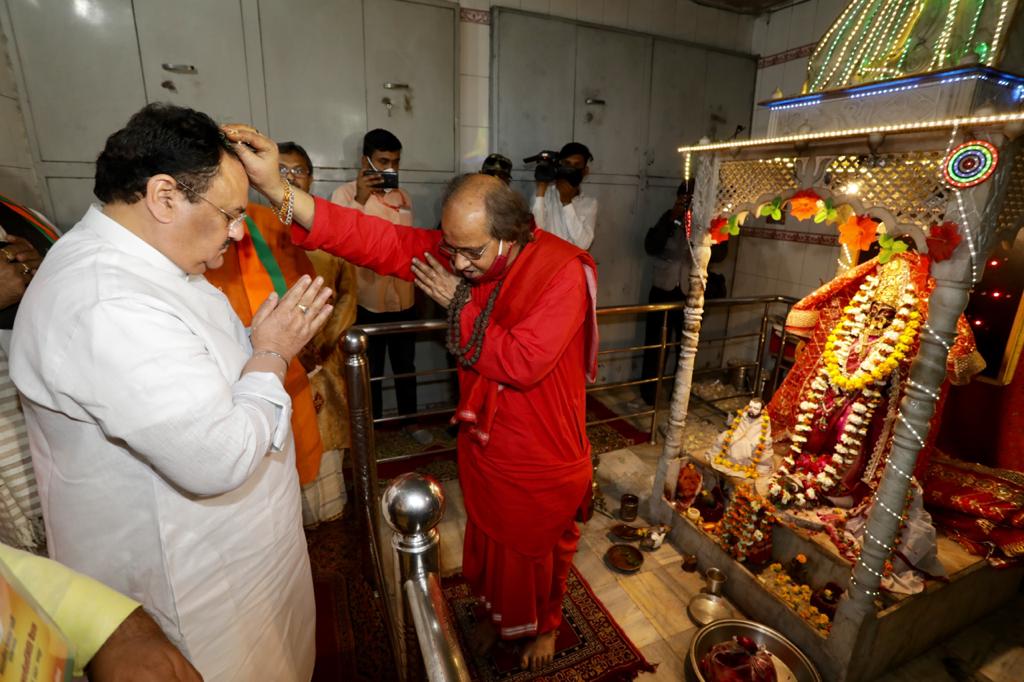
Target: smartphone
390,178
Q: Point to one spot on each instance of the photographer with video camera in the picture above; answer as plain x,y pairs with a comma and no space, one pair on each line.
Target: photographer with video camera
563,210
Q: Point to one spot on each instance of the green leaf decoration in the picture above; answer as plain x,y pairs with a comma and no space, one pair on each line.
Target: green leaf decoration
826,212
890,247
733,226
773,209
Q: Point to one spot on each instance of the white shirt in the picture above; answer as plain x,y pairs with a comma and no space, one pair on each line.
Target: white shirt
574,222
162,473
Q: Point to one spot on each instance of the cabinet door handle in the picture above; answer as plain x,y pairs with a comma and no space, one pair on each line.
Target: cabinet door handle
594,102
396,86
179,68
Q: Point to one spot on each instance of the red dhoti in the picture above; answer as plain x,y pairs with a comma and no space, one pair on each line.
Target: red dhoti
523,594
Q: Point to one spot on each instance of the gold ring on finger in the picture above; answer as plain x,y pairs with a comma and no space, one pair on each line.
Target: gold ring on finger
7,254
26,270
303,308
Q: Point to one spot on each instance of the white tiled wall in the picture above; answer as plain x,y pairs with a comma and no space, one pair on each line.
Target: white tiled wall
771,267
17,178
786,29
674,18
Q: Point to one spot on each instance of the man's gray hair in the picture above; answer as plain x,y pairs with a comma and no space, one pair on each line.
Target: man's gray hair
508,217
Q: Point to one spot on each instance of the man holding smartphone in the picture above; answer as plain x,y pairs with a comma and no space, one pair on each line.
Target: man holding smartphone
375,192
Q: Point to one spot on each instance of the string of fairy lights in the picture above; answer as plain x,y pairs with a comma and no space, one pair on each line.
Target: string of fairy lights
909,127
874,38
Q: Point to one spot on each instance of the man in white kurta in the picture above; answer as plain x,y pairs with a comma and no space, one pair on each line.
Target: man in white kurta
165,471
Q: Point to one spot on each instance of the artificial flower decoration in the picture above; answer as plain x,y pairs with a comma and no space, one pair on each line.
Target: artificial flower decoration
733,226
942,240
858,232
772,209
890,247
804,204
826,212
718,230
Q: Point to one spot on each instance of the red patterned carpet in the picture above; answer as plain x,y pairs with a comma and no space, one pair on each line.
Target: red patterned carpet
351,640
590,647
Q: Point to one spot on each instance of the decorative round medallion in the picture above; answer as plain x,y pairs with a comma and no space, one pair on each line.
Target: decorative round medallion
970,164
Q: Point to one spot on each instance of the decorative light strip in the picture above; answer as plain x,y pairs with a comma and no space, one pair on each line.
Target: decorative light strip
947,29
942,342
686,167
966,229
809,102
842,53
885,37
855,60
1003,7
918,126
974,27
930,393
911,83
841,21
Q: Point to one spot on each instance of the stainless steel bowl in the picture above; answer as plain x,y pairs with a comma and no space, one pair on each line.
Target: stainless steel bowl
723,630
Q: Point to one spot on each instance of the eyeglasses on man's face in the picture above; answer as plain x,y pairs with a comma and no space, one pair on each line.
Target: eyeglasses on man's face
473,254
296,172
233,220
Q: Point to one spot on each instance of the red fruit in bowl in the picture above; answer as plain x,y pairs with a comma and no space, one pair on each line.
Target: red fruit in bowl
747,643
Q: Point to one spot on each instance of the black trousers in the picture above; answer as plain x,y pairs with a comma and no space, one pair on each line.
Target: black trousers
652,335
402,350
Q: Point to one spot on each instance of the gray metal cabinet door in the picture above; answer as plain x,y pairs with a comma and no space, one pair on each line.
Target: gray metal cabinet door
728,95
82,74
193,55
410,63
612,93
531,84
313,66
677,104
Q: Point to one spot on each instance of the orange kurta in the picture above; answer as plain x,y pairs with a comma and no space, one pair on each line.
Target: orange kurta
247,283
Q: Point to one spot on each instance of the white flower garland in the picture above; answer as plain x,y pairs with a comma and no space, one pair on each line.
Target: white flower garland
833,374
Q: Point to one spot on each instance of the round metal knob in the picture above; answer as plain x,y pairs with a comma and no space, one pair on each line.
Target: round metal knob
412,504
354,342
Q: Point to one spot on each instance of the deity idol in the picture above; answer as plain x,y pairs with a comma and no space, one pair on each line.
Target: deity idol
839,404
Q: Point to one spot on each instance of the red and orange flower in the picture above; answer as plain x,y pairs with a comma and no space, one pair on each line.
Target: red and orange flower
804,204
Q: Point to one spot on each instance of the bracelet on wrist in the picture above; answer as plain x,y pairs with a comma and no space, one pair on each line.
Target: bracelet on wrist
271,354
287,208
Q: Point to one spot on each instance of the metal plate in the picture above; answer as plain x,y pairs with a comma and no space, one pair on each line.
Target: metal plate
624,558
627,532
707,608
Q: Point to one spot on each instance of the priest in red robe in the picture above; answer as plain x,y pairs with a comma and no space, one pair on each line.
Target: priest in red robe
522,324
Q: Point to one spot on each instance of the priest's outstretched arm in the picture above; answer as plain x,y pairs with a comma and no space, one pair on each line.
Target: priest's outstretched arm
366,241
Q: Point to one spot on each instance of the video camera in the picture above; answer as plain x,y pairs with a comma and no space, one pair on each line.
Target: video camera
548,167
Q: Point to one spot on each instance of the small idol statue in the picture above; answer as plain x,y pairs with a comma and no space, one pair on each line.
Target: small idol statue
744,449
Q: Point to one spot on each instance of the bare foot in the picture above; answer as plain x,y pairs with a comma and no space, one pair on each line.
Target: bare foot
483,637
539,652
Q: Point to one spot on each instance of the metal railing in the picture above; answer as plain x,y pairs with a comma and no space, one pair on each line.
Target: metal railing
421,629
766,304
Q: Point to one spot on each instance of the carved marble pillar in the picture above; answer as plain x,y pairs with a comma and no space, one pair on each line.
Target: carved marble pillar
954,279
700,243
